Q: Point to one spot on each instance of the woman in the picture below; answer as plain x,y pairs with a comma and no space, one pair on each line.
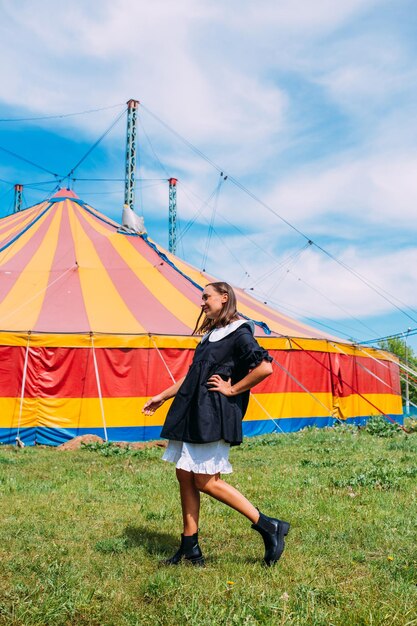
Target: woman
205,419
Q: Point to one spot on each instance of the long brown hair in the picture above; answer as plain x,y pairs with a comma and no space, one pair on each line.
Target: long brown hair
227,314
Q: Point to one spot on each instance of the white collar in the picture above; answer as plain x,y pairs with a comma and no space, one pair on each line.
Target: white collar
220,333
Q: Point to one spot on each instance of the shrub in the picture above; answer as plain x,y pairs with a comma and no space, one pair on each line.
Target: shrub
379,426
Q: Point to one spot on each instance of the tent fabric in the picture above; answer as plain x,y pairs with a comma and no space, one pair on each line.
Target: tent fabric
73,287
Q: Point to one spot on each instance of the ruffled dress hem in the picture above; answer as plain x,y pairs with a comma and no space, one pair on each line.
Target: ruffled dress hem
199,458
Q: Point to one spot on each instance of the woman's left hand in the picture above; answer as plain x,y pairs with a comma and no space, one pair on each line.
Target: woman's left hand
217,383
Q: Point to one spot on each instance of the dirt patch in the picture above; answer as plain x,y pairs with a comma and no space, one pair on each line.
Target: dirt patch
140,445
76,443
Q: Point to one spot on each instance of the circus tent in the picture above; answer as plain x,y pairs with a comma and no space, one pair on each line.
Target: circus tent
93,321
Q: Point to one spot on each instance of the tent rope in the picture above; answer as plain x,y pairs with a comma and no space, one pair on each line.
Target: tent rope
252,395
357,347
39,293
373,286
411,382
19,442
329,411
362,366
380,411
163,361
103,417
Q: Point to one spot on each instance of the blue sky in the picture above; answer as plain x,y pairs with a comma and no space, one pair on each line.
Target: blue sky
309,105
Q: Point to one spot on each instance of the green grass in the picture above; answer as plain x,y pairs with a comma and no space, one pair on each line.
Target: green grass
82,534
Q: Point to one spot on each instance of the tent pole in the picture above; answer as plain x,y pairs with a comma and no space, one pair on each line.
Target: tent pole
99,389
19,442
130,159
18,191
172,215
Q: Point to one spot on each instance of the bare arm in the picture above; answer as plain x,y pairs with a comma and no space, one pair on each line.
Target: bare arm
154,403
259,373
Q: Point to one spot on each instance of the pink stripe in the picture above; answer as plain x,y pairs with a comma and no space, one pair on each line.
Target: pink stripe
15,222
63,308
175,278
144,306
18,222
194,294
21,260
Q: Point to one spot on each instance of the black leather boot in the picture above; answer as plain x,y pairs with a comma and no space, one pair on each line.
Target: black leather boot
273,532
189,550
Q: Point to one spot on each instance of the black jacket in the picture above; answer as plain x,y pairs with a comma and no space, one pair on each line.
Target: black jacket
198,415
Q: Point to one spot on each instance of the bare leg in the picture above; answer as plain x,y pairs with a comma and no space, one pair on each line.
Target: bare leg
214,486
190,501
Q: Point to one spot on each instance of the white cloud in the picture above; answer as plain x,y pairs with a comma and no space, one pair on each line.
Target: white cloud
246,83
377,190
317,286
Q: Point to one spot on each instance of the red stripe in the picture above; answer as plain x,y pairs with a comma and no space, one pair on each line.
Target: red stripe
301,374
70,373
63,309
144,306
349,377
12,360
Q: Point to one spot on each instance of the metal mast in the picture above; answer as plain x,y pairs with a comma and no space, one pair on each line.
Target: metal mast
18,192
407,382
172,247
132,111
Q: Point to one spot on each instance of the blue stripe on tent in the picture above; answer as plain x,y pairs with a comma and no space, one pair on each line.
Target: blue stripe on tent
57,436
22,232
27,435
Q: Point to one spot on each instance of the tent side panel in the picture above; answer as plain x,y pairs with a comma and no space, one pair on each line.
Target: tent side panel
61,393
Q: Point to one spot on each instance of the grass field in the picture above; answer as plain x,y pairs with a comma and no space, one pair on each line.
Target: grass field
82,534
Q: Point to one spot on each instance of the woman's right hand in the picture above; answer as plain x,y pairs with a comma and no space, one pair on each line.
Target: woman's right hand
153,404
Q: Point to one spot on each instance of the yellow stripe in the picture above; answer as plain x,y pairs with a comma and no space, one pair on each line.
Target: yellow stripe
282,405
124,412
22,305
170,297
288,405
14,223
77,412
106,310
22,218
20,243
182,342
350,406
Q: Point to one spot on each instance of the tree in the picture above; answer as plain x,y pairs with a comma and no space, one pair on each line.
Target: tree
403,351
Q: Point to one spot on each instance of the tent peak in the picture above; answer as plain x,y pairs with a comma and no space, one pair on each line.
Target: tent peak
65,193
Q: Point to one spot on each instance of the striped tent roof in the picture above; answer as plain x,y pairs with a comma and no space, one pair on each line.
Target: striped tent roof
66,268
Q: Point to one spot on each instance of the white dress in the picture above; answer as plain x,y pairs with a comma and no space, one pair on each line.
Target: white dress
203,458
200,458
